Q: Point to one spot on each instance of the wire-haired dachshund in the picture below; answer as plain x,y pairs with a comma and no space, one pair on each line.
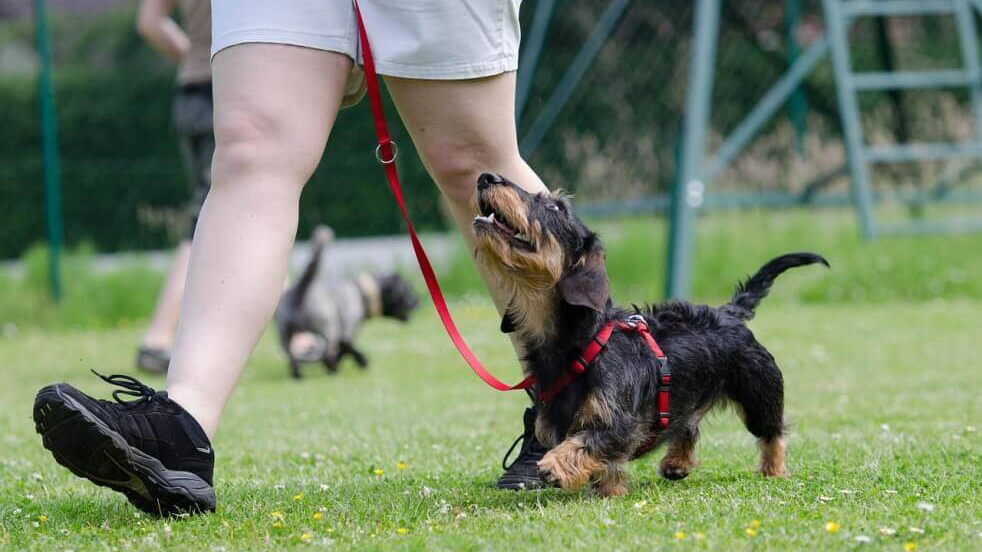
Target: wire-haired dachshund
553,267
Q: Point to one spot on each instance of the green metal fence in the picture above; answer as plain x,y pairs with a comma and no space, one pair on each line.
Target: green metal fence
608,106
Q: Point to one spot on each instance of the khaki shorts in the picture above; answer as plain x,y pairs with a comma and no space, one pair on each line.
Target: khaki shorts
420,39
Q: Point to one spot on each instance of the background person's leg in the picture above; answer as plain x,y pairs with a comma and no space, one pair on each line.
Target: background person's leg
274,108
461,129
160,331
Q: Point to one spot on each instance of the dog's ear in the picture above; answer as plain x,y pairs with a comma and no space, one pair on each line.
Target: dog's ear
586,284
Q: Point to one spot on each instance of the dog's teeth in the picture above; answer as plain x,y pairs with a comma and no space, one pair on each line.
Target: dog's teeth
491,217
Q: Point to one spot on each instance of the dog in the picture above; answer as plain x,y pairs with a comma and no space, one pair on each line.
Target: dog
333,311
552,265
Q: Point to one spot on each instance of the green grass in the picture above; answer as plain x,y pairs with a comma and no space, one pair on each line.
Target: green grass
882,396
729,245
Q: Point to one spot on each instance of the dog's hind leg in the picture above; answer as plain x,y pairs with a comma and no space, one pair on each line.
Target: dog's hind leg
295,367
757,388
331,362
348,348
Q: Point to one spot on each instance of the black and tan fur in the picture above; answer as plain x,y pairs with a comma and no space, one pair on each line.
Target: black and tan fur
553,266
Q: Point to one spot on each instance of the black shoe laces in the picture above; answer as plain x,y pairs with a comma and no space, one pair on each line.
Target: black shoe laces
130,386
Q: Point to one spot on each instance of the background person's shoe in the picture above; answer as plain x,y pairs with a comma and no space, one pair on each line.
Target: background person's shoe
153,360
150,448
523,473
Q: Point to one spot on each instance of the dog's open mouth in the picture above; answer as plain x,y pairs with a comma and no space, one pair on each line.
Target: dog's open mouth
495,221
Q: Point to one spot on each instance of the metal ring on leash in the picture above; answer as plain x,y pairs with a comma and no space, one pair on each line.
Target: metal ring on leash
395,153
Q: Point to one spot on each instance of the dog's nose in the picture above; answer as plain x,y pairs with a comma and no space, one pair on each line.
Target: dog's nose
489,179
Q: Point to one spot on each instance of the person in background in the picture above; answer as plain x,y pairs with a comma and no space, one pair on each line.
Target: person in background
190,48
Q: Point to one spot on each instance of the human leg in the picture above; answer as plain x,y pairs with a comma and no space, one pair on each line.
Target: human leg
462,128
275,105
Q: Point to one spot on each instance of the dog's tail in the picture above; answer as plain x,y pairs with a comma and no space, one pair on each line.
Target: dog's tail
750,292
320,239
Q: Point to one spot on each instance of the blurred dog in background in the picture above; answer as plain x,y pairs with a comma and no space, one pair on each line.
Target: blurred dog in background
333,310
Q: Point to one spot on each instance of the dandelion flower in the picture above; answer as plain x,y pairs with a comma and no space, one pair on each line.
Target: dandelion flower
306,536
377,471
298,496
751,532
402,465
680,535
42,519
909,546
277,515
402,530
832,527
755,524
699,536
277,524
318,515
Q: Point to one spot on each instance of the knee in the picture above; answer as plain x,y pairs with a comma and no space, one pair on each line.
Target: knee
254,144
455,165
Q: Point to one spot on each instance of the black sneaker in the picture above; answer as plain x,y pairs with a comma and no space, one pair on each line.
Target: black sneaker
150,449
523,473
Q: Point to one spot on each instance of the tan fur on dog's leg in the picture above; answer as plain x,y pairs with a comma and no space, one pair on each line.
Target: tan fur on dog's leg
679,461
613,482
772,457
570,465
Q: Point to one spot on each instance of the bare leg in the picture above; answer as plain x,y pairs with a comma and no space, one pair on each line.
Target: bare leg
463,128
163,323
274,108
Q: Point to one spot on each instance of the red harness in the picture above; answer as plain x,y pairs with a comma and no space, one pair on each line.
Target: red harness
386,153
635,324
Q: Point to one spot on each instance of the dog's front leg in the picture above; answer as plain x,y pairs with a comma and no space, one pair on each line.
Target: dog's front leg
570,464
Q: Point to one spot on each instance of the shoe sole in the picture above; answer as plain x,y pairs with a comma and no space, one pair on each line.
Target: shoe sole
109,461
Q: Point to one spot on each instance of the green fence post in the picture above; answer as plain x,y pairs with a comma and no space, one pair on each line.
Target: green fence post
797,104
689,187
49,145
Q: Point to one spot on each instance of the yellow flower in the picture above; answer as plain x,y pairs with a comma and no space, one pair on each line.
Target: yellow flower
699,536
318,515
909,546
680,535
755,524
402,530
298,496
832,527
402,465
277,515
42,519
751,532
277,524
378,471
306,536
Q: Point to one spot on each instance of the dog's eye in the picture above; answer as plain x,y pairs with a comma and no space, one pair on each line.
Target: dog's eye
553,207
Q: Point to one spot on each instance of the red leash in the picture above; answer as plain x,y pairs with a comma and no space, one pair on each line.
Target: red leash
386,153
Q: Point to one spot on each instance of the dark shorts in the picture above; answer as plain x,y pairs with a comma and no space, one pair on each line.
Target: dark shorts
193,110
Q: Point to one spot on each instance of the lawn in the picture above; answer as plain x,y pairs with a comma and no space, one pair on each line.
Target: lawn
884,453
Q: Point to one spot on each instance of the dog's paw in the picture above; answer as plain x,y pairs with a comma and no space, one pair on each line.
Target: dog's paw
675,470
568,466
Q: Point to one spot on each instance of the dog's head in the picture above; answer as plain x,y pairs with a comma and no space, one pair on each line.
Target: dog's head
398,298
539,249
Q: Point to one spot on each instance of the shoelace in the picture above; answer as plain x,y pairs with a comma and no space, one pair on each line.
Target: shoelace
130,386
504,461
